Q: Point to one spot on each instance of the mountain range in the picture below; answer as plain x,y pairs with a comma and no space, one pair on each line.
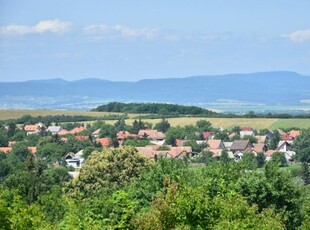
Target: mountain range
280,88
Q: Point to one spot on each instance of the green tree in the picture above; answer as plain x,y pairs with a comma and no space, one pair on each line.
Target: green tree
162,126
204,126
110,169
191,208
279,157
249,160
301,146
251,138
260,159
174,133
196,148
305,173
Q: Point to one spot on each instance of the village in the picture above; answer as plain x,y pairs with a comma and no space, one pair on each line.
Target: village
152,143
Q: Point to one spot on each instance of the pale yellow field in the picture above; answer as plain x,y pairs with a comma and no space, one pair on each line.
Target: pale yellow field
14,114
228,123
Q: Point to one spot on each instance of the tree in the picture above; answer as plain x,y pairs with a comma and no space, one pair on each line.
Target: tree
251,138
3,139
273,188
301,146
162,126
249,160
279,157
191,132
196,148
191,208
260,159
110,169
204,126
11,130
225,157
305,173
221,136
273,143
137,126
174,133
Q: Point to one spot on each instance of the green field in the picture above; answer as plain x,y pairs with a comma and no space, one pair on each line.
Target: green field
228,123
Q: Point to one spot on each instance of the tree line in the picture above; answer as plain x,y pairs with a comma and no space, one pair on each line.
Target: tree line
163,110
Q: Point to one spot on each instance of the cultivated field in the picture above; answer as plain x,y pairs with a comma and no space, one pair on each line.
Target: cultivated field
14,114
228,123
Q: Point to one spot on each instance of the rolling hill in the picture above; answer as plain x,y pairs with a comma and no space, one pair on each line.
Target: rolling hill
265,88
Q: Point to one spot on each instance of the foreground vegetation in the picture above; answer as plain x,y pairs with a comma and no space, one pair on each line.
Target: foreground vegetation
120,189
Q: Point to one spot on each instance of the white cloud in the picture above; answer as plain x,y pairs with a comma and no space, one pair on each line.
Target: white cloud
53,26
298,36
120,31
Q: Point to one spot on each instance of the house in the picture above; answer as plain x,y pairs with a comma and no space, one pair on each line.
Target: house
34,129
294,133
152,134
261,139
76,130
11,143
241,145
259,147
105,142
268,154
286,137
54,129
180,143
227,145
153,151
123,135
9,149
96,134
208,135
5,149
75,160
82,138
284,146
246,131
63,132
216,144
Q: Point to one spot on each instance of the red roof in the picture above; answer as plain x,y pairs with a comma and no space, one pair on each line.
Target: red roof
206,135
287,137
63,132
82,138
31,128
5,149
8,149
246,129
105,142
77,130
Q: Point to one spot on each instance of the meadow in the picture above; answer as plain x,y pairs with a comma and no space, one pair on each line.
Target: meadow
227,123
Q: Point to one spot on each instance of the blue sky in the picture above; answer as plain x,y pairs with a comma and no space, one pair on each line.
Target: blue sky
126,40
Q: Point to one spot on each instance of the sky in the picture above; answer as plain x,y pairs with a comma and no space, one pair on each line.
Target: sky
129,40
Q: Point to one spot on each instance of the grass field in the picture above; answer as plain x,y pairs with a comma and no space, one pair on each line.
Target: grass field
228,123
14,114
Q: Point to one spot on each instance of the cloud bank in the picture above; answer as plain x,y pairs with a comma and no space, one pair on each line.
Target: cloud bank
120,31
299,36
52,26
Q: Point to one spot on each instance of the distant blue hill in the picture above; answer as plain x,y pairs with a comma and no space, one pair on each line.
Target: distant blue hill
270,88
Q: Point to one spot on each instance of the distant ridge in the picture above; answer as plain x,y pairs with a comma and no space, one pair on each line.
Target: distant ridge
270,88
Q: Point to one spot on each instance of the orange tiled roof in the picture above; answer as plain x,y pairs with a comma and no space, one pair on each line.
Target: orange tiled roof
82,138
214,144
5,149
63,132
105,142
77,130
29,128
294,133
